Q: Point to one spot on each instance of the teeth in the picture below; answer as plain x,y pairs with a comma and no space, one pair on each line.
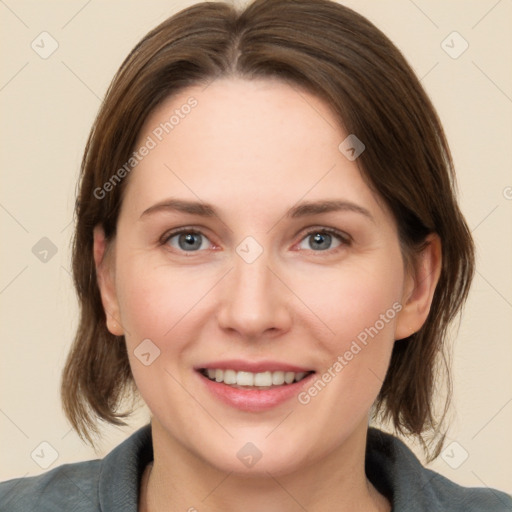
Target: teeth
261,380
229,377
289,377
245,378
277,378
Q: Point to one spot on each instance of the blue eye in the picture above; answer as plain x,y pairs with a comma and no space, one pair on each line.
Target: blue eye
322,240
188,241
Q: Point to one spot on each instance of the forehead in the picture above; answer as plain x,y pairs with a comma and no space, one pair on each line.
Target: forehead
234,116
237,140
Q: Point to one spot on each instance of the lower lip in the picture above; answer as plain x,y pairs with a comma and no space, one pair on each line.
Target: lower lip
254,400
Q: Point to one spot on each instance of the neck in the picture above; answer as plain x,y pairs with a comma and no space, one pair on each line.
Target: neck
179,480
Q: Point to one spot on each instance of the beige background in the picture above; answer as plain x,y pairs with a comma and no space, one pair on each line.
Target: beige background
48,106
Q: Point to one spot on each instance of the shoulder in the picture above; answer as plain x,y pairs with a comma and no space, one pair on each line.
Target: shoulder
394,470
467,499
110,484
67,487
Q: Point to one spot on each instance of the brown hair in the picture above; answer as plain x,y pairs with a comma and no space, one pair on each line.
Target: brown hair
342,58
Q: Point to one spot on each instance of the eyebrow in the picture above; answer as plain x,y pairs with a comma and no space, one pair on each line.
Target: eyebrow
301,210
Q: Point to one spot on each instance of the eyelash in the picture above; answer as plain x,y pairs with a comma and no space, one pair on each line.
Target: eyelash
345,240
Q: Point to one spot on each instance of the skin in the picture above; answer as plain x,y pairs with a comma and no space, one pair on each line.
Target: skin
253,150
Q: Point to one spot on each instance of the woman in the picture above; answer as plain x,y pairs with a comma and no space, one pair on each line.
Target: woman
269,251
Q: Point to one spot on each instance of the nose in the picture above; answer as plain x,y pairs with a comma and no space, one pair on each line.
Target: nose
255,302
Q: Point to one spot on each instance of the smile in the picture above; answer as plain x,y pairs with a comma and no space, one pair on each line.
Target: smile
254,391
261,380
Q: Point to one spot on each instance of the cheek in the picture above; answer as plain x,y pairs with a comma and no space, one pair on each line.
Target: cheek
154,300
360,308
162,304
359,304
355,300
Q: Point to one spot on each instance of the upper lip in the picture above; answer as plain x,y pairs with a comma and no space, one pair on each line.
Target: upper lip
252,366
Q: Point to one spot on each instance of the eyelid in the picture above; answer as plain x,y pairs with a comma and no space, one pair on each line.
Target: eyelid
331,231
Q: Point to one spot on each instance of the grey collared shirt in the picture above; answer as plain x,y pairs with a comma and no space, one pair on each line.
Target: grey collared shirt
112,484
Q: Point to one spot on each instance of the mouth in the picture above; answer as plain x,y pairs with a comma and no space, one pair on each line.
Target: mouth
267,386
239,379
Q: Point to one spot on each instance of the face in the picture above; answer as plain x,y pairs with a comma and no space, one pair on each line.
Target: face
250,248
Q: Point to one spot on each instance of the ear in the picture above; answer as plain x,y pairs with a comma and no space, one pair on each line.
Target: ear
419,286
104,261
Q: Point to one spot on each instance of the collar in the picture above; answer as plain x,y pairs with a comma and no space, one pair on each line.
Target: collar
121,472
390,465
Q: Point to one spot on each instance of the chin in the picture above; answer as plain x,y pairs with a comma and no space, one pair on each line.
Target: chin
253,463
256,454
